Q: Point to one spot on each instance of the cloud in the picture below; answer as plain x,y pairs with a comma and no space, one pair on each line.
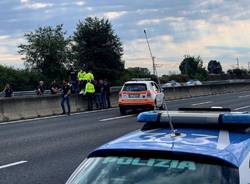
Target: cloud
208,40
8,50
80,3
33,5
24,1
158,21
114,15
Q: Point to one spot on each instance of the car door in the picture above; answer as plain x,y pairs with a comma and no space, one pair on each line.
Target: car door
159,95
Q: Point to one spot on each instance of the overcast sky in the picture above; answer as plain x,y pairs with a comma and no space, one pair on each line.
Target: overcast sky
213,29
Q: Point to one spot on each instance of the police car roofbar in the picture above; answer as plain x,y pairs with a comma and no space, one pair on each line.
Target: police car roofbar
190,118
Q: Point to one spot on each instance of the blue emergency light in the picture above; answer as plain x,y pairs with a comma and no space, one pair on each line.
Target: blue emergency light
205,118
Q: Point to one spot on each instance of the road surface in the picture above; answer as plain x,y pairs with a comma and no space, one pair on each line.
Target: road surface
48,150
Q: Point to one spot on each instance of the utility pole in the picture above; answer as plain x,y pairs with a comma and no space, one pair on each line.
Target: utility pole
238,64
152,57
248,66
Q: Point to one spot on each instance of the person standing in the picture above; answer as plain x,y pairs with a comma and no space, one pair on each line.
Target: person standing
73,79
82,80
65,96
98,95
53,88
40,88
103,95
89,92
8,91
106,91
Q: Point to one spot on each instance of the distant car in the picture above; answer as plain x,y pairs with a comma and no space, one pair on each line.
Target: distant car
140,94
209,148
193,83
171,83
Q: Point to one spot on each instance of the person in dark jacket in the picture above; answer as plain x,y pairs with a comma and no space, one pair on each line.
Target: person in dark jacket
65,96
106,92
98,95
53,88
73,79
40,89
8,91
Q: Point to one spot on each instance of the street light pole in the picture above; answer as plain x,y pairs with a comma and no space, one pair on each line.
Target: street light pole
152,57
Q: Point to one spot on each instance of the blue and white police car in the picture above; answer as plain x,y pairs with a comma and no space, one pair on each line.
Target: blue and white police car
207,147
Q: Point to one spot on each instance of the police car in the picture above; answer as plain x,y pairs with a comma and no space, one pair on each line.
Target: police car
140,93
207,147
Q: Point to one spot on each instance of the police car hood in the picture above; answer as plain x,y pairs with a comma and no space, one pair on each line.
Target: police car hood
228,146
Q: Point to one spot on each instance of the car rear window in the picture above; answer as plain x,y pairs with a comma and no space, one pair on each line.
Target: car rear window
137,170
135,87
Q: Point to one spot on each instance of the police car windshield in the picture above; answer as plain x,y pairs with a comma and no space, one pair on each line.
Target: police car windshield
136,170
135,87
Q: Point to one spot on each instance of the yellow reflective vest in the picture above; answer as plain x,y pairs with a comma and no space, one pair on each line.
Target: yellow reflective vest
89,76
81,75
90,88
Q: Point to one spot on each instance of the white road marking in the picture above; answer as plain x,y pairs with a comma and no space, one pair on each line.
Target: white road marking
201,103
223,140
239,108
114,118
244,96
12,164
56,116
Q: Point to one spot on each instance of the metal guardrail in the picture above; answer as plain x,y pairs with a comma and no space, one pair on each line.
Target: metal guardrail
47,92
26,93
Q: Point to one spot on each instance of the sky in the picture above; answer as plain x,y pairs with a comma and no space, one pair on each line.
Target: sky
212,29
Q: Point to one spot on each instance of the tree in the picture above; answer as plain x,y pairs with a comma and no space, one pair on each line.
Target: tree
46,51
99,48
214,67
138,72
237,72
193,67
20,80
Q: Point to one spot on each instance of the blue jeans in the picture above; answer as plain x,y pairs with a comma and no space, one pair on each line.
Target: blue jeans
67,102
74,86
98,101
104,100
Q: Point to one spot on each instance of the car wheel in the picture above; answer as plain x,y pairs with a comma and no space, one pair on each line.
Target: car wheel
122,110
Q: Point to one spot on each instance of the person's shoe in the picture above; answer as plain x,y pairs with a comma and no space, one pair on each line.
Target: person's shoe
63,113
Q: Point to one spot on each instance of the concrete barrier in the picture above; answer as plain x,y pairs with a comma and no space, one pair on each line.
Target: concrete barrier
17,108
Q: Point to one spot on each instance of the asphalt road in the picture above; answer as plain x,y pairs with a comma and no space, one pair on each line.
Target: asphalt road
48,150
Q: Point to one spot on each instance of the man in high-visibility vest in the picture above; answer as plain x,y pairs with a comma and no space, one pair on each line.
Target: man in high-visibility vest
82,79
81,75
89,76
89,92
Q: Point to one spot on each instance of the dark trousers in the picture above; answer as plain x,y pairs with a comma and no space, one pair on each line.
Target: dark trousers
98,101
67,102
104,100
90,101
108,100
74,86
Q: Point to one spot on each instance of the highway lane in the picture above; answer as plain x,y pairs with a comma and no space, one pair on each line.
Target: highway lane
48,150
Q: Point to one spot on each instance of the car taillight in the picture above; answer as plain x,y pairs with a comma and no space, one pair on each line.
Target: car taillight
148,94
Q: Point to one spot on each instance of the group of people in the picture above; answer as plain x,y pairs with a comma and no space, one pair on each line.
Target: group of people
95,90
81,83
